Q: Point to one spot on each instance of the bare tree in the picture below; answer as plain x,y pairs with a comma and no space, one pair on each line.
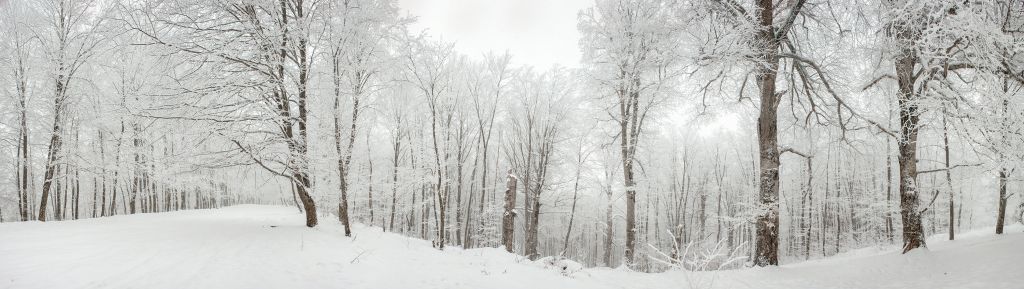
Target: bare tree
629,45
73,42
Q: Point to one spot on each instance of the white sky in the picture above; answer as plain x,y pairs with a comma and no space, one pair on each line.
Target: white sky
541,33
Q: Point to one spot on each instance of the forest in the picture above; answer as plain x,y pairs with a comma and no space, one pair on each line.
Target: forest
690,135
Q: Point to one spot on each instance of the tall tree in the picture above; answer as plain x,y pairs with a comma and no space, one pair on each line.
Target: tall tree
628,45
72,42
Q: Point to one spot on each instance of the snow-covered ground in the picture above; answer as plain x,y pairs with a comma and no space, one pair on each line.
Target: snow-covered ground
268,247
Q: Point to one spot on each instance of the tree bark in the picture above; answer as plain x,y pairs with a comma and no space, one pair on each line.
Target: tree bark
394,173
888,191
913,234
54,150
572,211
22,173
1001,213
609,229
949,175
509,217
767,244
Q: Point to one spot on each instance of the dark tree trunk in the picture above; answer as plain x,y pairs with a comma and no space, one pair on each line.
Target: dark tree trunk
344,155
1001,214
767,244
913,234
52,153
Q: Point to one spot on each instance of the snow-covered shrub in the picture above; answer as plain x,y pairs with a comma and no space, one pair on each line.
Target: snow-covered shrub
561,264
693,257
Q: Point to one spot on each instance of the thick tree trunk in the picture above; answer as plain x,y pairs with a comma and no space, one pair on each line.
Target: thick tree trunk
1003,172
530,248
23,158
61,82
533,225
767,244
53,151
21,171
297,145
913,234
508,220
302,188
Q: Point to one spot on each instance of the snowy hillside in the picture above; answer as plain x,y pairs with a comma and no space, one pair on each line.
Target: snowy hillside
269,247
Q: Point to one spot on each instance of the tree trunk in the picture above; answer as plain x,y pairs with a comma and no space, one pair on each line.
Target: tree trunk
913,234
344,155
22,172
508,221
949,175
807,201
1001,214
767,244
52,156
394,176
888,191
458,186
369,179
1003,171
609,229
572,211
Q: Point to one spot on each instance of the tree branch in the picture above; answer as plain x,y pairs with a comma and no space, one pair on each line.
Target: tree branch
947,169
832,92
788,23
794,151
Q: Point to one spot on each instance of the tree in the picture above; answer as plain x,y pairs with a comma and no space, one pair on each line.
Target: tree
487,91
933,41
629,47
72,43
536,126
508,219
19,46
269,87
764,36
428,67
358,59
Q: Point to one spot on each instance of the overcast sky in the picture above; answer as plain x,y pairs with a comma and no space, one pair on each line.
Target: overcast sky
537,32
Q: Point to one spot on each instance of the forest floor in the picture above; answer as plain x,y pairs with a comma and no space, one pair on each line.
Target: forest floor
268,247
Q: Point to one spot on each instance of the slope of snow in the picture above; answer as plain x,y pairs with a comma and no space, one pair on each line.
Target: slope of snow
268,247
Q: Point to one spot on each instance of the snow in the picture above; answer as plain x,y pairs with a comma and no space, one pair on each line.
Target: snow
268,247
